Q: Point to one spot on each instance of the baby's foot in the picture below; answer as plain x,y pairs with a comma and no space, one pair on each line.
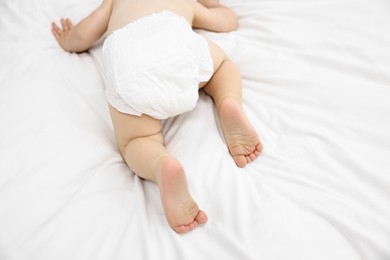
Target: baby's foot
181,211
242,139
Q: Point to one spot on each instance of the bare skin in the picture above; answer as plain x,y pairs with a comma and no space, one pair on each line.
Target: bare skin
139,138
182,212
242,139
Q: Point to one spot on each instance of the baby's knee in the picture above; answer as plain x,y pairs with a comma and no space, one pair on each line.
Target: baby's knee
121,145
122,149
135,143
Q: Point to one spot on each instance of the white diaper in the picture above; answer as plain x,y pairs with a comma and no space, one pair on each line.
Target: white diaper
154,66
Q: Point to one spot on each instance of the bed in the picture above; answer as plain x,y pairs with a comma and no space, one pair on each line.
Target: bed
316,86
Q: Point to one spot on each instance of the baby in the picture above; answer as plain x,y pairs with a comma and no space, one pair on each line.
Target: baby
155,65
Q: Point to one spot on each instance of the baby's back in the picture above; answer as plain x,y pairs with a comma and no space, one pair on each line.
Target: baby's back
127,11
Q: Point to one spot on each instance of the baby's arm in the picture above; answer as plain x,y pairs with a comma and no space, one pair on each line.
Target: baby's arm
212,16
80,37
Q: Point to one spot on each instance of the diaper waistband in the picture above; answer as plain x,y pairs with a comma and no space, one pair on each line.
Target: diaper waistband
147,24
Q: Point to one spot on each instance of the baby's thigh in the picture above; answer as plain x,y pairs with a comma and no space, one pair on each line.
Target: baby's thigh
218,56
128,127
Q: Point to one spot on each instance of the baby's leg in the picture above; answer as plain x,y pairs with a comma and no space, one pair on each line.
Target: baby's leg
225,88
141,145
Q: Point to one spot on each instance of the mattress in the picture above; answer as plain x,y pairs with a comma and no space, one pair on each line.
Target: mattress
316,86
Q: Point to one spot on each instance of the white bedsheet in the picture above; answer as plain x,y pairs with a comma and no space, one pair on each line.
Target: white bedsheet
316,86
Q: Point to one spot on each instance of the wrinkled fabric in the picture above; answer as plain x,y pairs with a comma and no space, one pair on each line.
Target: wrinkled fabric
315,86
154,66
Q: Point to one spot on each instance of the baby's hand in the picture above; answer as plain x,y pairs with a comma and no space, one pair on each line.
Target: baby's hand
62,33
